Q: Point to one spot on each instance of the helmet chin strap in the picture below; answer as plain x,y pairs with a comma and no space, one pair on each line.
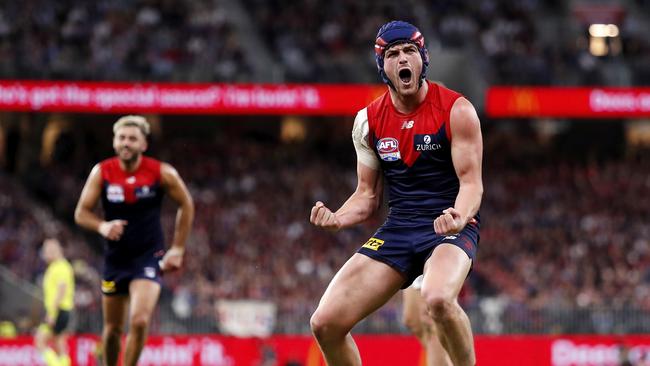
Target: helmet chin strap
390,83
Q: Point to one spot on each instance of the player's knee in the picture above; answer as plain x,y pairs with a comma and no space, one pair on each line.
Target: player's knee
112,331
318,325
61,345
40,340
139,322
440,307
326,327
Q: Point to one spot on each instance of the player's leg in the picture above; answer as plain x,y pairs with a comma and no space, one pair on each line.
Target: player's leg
437,354
61,347
417,320
359,288
444,274
42,337
60,338
144,297
411,314
115,310
41,341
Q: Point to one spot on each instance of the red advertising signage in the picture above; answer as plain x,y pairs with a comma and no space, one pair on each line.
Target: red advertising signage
522,102
251,99
376,350
300,99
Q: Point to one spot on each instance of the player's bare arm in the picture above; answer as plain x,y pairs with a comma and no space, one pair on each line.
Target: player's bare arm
177,191
361,205
84,214
467,155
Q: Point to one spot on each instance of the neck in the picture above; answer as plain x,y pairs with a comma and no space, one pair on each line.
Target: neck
55,258
408,103
131,165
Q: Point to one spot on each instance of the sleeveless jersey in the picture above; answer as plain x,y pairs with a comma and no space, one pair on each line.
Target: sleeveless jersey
135,197
413,150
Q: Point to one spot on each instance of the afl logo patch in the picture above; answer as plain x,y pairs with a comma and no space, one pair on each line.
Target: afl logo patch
388,149
114,193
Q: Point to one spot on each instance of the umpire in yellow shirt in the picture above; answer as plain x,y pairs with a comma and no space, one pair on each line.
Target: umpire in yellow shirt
58,297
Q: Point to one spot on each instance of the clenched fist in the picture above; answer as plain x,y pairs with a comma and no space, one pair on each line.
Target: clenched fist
450,222
323,217
172,260
112,230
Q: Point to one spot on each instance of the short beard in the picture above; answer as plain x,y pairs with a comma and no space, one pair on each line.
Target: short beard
134,157
412,91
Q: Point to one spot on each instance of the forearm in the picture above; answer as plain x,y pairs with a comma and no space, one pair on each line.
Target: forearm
468,199
59,297
87,219
51,311
184,219
357,209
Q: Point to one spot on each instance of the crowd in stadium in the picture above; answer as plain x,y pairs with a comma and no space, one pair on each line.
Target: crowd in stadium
25,222
562,236
120,40
558,235
510,42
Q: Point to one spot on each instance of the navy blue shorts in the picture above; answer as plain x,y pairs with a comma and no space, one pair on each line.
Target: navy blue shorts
406,242
62,322
117,277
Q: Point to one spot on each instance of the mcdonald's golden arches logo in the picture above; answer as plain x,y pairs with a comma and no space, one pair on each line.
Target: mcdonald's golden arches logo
523,101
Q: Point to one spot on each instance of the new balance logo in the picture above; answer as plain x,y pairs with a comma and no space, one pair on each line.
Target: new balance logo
408,124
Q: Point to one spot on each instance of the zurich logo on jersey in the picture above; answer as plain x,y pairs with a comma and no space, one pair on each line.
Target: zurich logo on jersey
388,149
145,192
425,143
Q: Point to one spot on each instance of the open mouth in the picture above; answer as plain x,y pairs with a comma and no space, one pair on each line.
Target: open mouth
405,75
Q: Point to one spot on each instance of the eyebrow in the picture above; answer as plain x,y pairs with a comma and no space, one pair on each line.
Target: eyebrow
403,47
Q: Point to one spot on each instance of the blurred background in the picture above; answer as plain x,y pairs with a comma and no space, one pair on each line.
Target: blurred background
565,237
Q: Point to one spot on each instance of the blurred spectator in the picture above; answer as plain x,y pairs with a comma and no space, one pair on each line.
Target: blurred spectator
563,237
196,41
171,40
563,234
7,329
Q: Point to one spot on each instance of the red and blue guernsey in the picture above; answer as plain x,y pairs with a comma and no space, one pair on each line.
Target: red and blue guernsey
414,153
137,198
